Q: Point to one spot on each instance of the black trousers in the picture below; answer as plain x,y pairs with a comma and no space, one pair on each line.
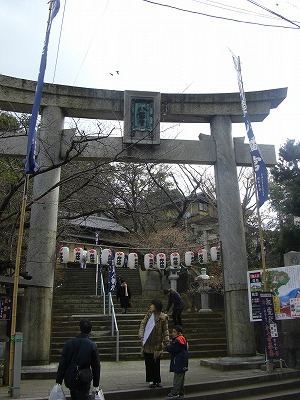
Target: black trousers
80,394
152,368
176,316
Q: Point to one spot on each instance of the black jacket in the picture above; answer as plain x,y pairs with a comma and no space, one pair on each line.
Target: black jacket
176,300
79,351
179,354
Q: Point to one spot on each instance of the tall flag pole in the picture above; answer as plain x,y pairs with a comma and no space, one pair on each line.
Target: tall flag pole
260,171
30,168
30,165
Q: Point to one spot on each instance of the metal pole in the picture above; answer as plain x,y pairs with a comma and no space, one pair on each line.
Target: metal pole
97,266
16,286
17,365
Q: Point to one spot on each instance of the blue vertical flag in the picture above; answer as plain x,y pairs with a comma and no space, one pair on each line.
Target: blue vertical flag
30,165
259,166
112,274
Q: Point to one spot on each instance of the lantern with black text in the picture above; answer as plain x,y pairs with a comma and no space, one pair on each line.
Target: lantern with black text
105,256
64,253
215,253
175,260
133,261
92,256
202,256
189,258
119,259
78,254
149,260
161,261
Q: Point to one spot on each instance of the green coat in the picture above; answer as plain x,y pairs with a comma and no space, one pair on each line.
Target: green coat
159,337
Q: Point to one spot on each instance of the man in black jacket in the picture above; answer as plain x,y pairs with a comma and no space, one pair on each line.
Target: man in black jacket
79,354
177,302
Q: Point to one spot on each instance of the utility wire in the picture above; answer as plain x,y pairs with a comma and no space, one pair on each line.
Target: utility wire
273,12
89,47
58,47
218,17
227,7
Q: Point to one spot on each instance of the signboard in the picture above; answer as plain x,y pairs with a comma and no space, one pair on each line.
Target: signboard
5,308
284,284
269,325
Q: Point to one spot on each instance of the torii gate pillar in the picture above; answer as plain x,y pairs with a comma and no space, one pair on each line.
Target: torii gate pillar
233,244
41,254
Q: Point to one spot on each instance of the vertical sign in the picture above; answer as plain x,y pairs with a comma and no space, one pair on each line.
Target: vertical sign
5,308
269,325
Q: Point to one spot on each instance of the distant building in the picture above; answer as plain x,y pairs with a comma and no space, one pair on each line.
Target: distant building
200,217
92,228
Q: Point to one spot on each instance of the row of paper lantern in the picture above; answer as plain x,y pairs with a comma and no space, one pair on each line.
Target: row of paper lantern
91,256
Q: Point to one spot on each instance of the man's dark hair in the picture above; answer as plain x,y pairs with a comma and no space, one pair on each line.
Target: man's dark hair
85,326
166,291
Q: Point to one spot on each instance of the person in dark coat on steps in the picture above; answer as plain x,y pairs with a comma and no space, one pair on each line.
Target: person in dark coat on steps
124,295
79,353
177,302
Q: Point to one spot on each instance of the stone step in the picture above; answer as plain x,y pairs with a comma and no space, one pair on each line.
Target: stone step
244,388
110,355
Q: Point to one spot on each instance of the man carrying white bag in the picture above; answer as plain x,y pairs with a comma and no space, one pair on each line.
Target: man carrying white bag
79,365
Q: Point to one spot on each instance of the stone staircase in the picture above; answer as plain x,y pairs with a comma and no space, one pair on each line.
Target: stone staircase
74,299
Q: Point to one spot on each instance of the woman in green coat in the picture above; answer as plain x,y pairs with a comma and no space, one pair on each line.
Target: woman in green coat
154,335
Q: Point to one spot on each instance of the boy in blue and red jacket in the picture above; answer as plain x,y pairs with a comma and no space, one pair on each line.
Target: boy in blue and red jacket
179,362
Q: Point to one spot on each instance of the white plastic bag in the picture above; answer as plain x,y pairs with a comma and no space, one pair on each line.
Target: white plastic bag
57,393
98,395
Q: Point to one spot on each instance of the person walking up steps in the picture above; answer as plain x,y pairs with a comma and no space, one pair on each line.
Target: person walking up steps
80,364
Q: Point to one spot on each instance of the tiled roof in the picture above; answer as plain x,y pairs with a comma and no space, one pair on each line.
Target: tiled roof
99,223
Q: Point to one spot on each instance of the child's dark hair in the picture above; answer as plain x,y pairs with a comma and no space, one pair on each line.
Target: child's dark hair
178,328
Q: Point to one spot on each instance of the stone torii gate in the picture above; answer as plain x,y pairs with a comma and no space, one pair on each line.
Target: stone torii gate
218,149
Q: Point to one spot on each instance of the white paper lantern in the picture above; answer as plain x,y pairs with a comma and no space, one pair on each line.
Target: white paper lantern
149,260
202,256
161,261
133,261
119,259
78,254
189,258
175,260
215,253
92,256
105,256
64,253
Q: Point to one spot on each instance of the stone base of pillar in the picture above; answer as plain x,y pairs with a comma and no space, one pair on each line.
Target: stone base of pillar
37,309
205,310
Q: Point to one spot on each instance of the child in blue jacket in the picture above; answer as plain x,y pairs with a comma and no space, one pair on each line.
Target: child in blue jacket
179,362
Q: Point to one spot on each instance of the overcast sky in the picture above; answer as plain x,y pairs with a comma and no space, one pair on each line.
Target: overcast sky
161,49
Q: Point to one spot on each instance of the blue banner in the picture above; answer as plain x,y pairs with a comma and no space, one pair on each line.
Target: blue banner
112,280
30,164
259,166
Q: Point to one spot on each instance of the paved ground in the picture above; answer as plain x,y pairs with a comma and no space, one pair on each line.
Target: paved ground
126,375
